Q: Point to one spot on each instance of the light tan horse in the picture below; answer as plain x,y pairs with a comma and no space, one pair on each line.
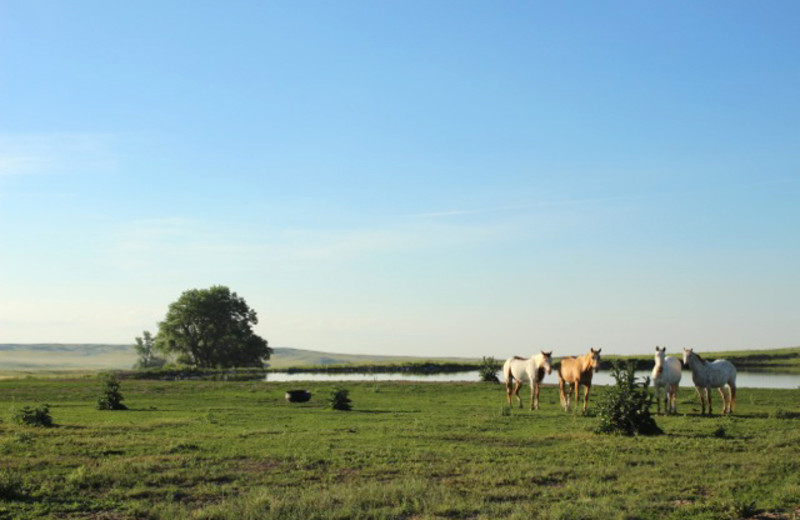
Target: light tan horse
577,371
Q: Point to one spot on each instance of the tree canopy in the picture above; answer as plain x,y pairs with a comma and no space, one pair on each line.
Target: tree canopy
212,328
146,350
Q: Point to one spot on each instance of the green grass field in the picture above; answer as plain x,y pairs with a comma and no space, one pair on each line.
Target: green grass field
237,450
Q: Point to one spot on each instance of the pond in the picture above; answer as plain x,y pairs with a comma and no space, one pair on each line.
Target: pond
743,379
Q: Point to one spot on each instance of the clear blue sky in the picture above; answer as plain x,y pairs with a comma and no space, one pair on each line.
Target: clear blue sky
428,178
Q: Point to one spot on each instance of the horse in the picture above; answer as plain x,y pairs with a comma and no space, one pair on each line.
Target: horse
518,370
716,374
666,376
577,370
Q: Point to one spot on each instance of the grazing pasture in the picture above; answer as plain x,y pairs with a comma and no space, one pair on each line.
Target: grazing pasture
238,450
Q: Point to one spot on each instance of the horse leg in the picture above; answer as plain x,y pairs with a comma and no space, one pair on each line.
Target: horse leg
724,400
569,396
561,394
530,401
658,399
702,400
535,396
517,386
586,397
673,398
708,396
573,388
732,402
508,391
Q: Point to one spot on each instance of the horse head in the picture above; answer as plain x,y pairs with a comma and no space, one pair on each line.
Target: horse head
546,363
686,353
594,359
659,358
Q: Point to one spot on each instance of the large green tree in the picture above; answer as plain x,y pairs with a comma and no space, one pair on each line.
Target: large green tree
212,328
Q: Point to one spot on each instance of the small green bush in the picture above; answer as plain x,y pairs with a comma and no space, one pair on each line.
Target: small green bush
110,396
12,487
625,409
29,416
340,400
488,370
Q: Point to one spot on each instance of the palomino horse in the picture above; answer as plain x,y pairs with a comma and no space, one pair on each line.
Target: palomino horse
666,376
707,375
519,370
577,371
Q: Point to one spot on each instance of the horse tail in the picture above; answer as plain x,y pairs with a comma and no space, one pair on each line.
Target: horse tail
507,372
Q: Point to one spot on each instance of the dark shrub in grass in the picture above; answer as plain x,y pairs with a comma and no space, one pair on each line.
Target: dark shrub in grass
340,400
12,486
29,416
110,396
488,370
625,409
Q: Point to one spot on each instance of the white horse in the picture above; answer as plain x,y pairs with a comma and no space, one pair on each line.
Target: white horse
519,370
666,376
716,374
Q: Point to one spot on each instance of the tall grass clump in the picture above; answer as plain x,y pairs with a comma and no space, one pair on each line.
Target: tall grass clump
625,409
30,416
488,370
110,395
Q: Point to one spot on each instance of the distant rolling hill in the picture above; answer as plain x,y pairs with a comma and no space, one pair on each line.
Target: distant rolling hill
16,357
60,357
55,357
284,357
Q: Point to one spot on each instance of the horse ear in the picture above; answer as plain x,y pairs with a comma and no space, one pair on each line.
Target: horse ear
547,354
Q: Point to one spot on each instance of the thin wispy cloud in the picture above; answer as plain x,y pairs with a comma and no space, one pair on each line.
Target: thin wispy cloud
450,213
143,242
55,153
160,242
520,207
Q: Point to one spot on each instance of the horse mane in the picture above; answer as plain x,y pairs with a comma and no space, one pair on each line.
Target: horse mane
703,361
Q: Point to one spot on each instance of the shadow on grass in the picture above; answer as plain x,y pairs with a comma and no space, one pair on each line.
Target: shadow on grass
394,412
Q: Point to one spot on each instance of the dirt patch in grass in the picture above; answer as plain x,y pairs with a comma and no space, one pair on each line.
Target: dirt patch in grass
257,466
105,515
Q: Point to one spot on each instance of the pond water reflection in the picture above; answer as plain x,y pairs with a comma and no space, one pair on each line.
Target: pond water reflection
743,379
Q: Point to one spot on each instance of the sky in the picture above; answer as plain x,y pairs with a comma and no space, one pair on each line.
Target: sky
432,178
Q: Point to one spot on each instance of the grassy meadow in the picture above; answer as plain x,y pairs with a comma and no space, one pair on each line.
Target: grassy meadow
237,450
